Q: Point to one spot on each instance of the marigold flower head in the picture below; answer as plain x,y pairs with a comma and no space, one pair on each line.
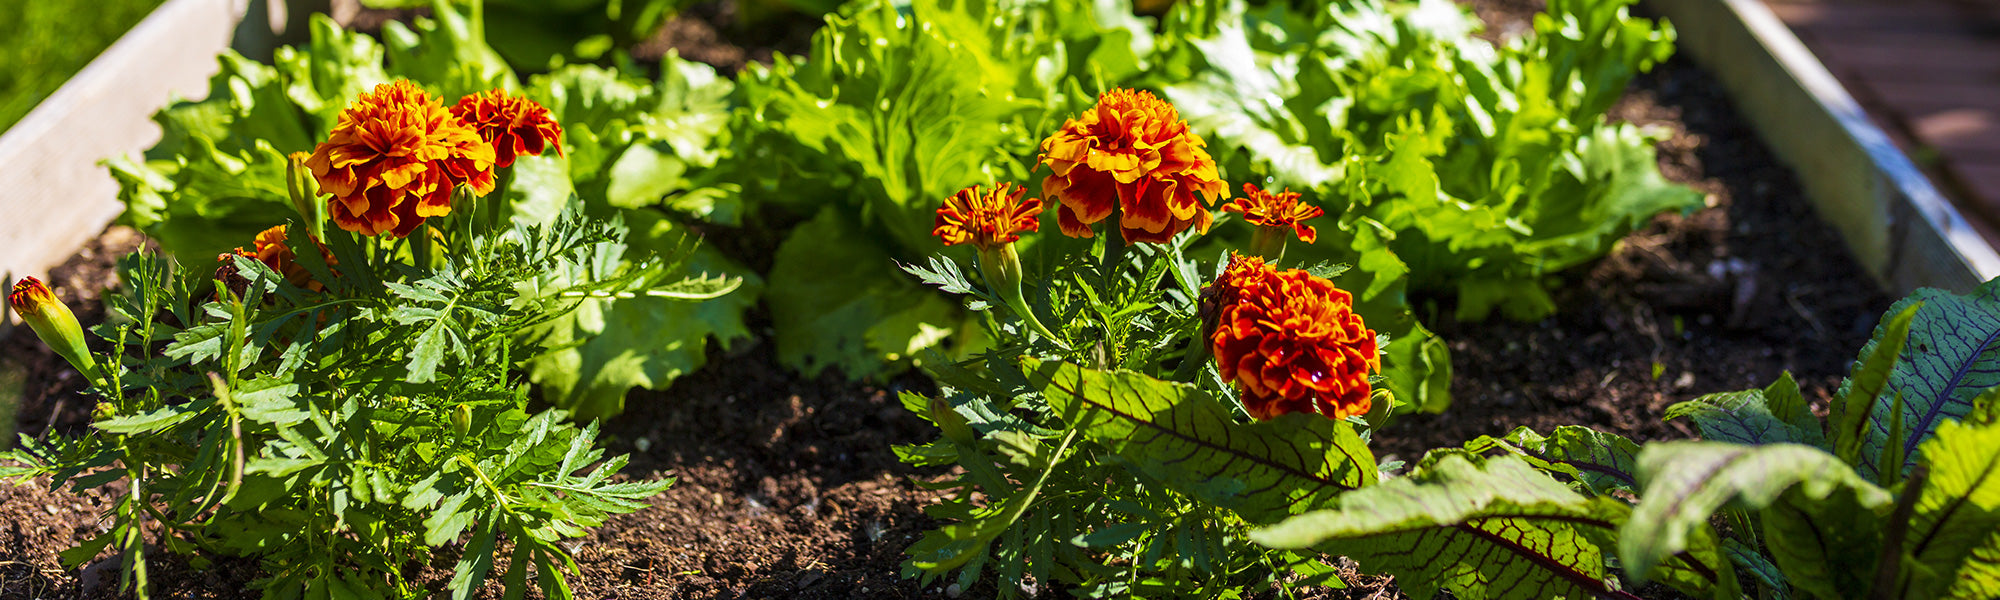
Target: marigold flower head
1278,210
1289,341
514,125
270,248
1131,153
987,219
393,158
53,322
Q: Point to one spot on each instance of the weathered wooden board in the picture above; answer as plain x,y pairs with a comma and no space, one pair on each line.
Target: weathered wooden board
1904,232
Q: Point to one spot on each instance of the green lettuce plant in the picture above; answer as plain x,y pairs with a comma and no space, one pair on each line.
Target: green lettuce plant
1485,169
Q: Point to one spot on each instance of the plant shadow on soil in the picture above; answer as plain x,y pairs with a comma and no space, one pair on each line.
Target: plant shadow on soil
788,489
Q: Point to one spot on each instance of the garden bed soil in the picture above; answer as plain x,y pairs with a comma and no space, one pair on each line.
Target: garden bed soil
787,487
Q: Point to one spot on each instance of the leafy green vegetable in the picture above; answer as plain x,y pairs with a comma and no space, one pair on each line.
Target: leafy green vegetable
1492,529
1598,462
1492,168
1952,355
1685,482
1956,523
1773,415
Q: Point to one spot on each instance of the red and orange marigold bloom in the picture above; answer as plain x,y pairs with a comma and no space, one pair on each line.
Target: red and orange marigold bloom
1289,341
393,159
270,248
514,125
1276,210
987,219
1131,153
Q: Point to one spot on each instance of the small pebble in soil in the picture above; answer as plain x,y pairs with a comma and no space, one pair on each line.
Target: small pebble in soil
953,591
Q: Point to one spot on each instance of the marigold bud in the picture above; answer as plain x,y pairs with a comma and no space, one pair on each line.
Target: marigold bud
954,425
53,322
461,419
305,194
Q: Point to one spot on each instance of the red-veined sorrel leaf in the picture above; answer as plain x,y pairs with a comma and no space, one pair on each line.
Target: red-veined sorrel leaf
1852,418
1955,530
1952,354
1773,415
1803,488
1599,461
1173,432
1501,530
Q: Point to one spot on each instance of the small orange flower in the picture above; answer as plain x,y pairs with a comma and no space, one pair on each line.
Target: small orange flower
985,219
1132,153
1283,209
1289,341
270,249
514,125
393,159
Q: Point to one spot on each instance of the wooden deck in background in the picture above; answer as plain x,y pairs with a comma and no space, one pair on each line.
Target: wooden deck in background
1928,73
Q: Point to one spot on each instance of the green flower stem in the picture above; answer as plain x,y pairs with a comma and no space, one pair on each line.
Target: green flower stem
1002,267
1114,253
1269,242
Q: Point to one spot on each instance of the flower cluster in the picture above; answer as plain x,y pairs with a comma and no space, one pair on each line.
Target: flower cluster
396,155
1290,341
1133,155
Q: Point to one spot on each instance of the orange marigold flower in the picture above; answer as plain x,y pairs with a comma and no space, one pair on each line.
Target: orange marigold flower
1289,341
1132,153
270,248
393,159
514,125
1283,209
987,219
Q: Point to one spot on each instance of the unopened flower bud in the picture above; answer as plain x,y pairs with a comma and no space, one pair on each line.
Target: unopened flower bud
304,190
53,322
461,419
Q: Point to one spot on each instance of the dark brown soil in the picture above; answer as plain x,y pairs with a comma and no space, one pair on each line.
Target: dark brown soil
787,487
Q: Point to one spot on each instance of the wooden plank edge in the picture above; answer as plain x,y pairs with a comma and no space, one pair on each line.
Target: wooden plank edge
1905,233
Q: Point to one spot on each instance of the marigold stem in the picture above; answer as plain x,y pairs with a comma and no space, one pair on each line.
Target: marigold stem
1269,242
1002,267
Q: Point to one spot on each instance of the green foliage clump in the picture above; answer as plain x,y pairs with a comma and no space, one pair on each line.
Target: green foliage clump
341,435
634,149
1896,494
1484,169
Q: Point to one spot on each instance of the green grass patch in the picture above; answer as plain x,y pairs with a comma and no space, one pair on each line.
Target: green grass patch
43,43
